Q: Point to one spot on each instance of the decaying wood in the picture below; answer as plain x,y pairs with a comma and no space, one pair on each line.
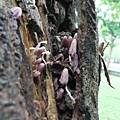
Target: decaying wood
50,21
33,30
51,108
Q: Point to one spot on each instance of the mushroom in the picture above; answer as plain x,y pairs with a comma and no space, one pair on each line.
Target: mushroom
36,73
40,50
37,106
38,61
17,12
64,80
73,47
60,93
64,42
40,67
64,77
75,36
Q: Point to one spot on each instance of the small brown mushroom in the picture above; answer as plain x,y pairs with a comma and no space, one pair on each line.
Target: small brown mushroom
64,42
40,50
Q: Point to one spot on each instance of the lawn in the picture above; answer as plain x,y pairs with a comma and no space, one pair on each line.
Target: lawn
109,99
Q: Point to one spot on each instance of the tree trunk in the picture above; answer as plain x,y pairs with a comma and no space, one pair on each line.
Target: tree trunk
12,105
109,56
88,55
50,21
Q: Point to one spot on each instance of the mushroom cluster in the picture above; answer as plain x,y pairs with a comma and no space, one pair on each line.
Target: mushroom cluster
65,62
38,60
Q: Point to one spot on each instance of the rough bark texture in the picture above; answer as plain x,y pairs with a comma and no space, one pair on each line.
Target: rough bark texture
85,90
88,52
33,29
50,20
12,105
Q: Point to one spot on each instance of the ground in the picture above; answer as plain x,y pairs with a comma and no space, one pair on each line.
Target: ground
109,99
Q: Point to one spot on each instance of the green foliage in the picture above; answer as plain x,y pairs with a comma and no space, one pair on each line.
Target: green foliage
108,21
115,53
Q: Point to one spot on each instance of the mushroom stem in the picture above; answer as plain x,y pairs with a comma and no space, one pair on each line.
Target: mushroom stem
70,59
47,53
71,97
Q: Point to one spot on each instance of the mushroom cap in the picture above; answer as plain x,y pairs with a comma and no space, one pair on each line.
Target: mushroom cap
64,77
73,47
64,42
17,12
40,67
60,93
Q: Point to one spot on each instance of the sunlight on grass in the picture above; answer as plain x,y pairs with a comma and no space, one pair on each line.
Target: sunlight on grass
109,99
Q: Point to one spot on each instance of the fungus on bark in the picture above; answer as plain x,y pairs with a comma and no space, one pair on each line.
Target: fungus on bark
17,12
64,80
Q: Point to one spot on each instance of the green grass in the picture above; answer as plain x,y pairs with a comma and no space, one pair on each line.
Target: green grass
109,99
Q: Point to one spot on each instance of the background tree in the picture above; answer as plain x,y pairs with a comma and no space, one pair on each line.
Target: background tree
109,27
57,78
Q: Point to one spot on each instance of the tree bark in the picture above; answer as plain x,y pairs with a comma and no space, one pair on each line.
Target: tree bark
12,104
109,56
50,21
88,55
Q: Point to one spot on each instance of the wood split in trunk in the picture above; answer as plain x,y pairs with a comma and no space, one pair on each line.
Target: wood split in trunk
37,91
66,106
